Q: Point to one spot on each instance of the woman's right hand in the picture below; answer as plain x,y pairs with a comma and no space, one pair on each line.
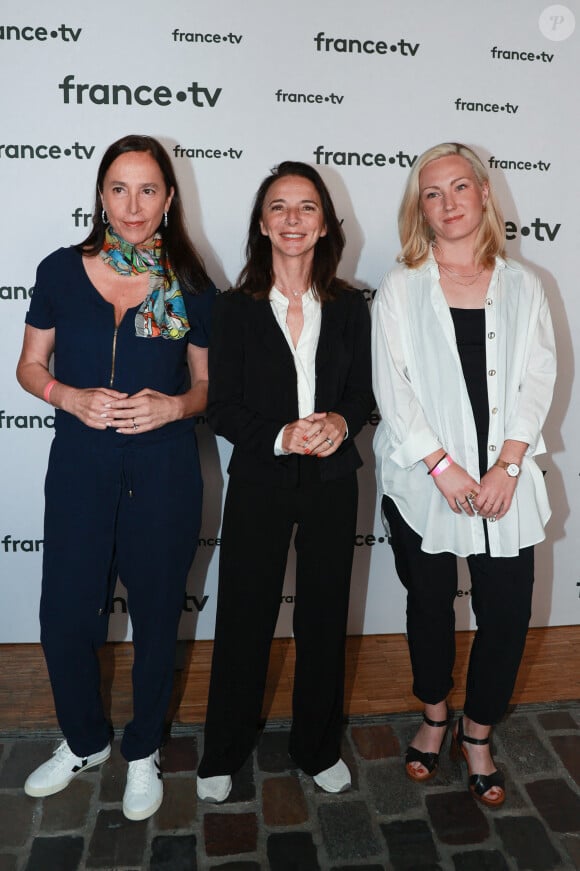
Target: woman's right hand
88,404
458,488
293,436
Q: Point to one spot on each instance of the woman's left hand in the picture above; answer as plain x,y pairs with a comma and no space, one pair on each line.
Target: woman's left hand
142,412
495,494
326,434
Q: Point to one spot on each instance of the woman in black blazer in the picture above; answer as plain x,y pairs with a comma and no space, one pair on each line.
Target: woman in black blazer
290,387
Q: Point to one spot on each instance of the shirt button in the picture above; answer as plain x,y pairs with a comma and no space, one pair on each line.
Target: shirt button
491,372
491,335
489,301
494,410
492,448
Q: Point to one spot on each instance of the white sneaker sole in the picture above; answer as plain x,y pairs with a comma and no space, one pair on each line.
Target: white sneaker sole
43,791
144,814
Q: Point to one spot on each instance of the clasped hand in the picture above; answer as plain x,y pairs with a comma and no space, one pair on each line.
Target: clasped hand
320,434
491,498
103,408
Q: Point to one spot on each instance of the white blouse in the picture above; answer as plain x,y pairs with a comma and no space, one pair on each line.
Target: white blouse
304,353
422,397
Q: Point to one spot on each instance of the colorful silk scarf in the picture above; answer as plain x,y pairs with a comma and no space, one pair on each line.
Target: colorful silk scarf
162,312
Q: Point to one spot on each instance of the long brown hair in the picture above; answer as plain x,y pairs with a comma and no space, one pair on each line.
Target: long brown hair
181,254
257,277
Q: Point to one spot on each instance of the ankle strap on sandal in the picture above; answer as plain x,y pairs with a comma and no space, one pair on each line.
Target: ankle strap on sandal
436,722
480,742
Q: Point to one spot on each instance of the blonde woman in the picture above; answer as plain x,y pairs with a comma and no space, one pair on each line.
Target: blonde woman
464,368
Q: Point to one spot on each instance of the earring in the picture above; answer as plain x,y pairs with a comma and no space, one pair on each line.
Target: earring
165,222
104,217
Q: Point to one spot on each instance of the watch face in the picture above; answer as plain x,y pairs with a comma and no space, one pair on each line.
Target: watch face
513,470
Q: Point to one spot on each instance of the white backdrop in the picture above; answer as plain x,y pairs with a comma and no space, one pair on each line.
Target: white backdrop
232,88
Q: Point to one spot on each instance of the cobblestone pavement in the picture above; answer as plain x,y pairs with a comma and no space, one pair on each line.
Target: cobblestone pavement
276,818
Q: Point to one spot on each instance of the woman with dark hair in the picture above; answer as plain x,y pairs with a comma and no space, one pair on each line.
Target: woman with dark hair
126,314
463,367
290,387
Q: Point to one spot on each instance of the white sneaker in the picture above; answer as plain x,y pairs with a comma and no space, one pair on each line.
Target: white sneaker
62,767
214,789
144,790
334,779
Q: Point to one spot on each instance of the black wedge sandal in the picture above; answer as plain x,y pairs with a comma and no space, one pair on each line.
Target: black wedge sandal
429,761
479,784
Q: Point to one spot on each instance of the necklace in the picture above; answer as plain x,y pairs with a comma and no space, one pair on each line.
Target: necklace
455,276
452,275
295,293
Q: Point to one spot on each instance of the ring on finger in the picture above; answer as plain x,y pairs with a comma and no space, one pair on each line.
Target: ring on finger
471,495
135,425
329,440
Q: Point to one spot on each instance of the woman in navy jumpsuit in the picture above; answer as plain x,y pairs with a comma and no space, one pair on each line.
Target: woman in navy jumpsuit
123,488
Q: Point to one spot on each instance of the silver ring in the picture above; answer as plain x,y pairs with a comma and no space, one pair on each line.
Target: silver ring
329,440
135,425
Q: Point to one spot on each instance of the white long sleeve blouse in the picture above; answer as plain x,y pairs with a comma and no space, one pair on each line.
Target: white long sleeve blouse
422,397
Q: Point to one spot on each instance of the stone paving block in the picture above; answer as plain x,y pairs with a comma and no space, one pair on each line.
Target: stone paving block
557,721
8,862
375,742
526,840
68,809
480,860
568,749
390,789
116,841
410,844
358,868
557,804
113,776
16,814
24,757
243,786
173,853
347,830
522,746
179,808
272,752
283,802
180,754
571,844
457,818
238,866
292,851
55,854
228,834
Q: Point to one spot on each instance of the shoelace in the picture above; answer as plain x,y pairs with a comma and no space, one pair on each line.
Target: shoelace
63,753
141,773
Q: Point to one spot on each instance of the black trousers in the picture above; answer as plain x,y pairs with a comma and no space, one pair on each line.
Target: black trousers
501,599
257,527
116,508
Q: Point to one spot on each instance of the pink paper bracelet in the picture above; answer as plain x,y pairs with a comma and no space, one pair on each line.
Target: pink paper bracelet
48,389
443,464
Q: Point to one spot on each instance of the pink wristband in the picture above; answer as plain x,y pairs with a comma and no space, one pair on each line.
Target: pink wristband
48,389
443,464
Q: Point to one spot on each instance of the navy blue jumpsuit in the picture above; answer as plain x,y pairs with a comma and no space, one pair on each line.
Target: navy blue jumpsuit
114,504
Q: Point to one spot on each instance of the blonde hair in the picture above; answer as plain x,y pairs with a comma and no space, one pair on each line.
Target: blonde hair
416,234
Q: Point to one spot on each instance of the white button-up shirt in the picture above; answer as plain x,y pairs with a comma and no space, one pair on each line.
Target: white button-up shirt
304,353
421,393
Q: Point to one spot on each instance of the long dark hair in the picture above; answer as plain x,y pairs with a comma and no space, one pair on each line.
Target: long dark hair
181,254
257,277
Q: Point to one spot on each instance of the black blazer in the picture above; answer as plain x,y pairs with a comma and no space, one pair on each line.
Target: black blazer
253,390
